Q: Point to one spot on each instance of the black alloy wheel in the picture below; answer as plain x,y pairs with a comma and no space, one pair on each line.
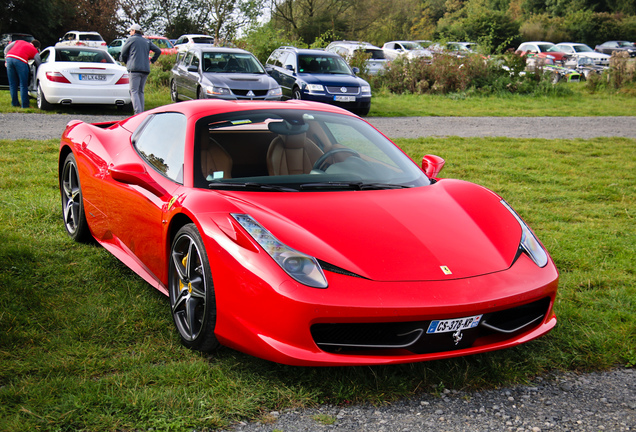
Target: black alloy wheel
191,291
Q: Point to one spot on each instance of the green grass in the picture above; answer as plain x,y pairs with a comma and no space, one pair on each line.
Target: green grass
85,344
579,103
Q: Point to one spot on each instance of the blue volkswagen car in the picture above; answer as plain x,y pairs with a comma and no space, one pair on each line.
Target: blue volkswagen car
321,76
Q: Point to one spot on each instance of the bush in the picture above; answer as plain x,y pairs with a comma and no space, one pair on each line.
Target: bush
160,72
473,75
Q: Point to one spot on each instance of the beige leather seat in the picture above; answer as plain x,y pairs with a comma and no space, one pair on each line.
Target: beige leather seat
292,154
216,162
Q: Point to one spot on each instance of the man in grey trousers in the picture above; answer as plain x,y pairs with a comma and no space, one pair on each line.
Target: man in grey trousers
136,53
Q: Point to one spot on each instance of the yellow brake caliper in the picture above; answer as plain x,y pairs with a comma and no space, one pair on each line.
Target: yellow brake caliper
184,261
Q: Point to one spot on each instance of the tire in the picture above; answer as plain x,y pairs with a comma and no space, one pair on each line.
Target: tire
555,78
362,112
296,94
72,201
174,93
41,101
192,299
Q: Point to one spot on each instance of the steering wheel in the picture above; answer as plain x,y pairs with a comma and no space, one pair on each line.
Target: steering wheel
318,165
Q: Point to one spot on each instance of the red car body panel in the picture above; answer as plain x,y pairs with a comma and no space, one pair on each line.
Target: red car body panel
395,241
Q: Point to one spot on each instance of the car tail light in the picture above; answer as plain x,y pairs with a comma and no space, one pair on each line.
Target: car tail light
57,77
123,80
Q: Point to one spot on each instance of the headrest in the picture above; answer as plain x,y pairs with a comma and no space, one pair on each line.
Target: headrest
286,128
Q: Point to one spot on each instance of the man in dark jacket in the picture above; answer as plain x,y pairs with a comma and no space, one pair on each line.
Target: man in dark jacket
135,53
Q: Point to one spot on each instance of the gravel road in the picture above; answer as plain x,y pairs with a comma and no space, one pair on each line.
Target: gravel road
568,401
45,126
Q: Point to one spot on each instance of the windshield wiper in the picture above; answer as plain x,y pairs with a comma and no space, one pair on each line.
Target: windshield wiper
351,186
251,186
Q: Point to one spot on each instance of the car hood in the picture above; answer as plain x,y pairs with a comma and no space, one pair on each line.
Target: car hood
241,80
448,230
596,55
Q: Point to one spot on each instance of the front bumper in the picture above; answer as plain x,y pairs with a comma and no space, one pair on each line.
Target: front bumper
268,315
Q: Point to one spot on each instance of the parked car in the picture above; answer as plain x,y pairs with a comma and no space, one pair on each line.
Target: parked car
114,47
616,46
548,66
186,41
259,221
320,76
459,49
410,49
208,72
582,50
5,40
167,48
534,47
586,67
82,38
347,49
71,75
555,54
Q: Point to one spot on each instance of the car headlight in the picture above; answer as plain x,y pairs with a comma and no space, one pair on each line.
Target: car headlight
216,90
315,87
275,92
303,268
529,243
365,89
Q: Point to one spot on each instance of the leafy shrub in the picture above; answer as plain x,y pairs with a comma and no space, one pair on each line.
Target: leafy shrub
160,71
471,75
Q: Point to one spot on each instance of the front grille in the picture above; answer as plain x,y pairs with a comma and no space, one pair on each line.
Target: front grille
393,338
243,93
343,90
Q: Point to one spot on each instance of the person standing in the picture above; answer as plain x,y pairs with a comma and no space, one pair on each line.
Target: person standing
17,55
136,53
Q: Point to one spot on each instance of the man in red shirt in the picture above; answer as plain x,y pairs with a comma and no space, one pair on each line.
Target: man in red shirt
17,55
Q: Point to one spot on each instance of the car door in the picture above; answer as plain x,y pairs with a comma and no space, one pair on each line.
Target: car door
181,74
288,74
192,76
140,185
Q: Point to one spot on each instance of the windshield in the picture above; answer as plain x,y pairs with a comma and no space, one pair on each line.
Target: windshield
582,48
162,43
412,46
322,64
223,62
297,150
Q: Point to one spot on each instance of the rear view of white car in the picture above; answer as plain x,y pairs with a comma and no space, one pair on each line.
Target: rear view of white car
82,38
79,75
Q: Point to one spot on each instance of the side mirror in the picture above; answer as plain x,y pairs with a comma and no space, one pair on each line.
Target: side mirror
356,70
136,174
432,165
192,68
289,68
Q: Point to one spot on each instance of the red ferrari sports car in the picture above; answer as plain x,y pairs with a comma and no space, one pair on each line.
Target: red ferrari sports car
296,232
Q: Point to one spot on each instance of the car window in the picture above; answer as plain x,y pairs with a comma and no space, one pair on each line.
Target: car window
90,37
322,64
196,61
342,152
290,60
224,62
162,144
188,58
44,56
203,40
80,55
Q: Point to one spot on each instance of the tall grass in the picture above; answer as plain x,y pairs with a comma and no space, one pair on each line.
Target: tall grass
85,344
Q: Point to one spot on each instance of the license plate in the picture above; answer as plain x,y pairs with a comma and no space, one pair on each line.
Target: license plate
344,98
92,77
452,325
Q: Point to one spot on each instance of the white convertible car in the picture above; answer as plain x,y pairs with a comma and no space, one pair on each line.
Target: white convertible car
79,75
